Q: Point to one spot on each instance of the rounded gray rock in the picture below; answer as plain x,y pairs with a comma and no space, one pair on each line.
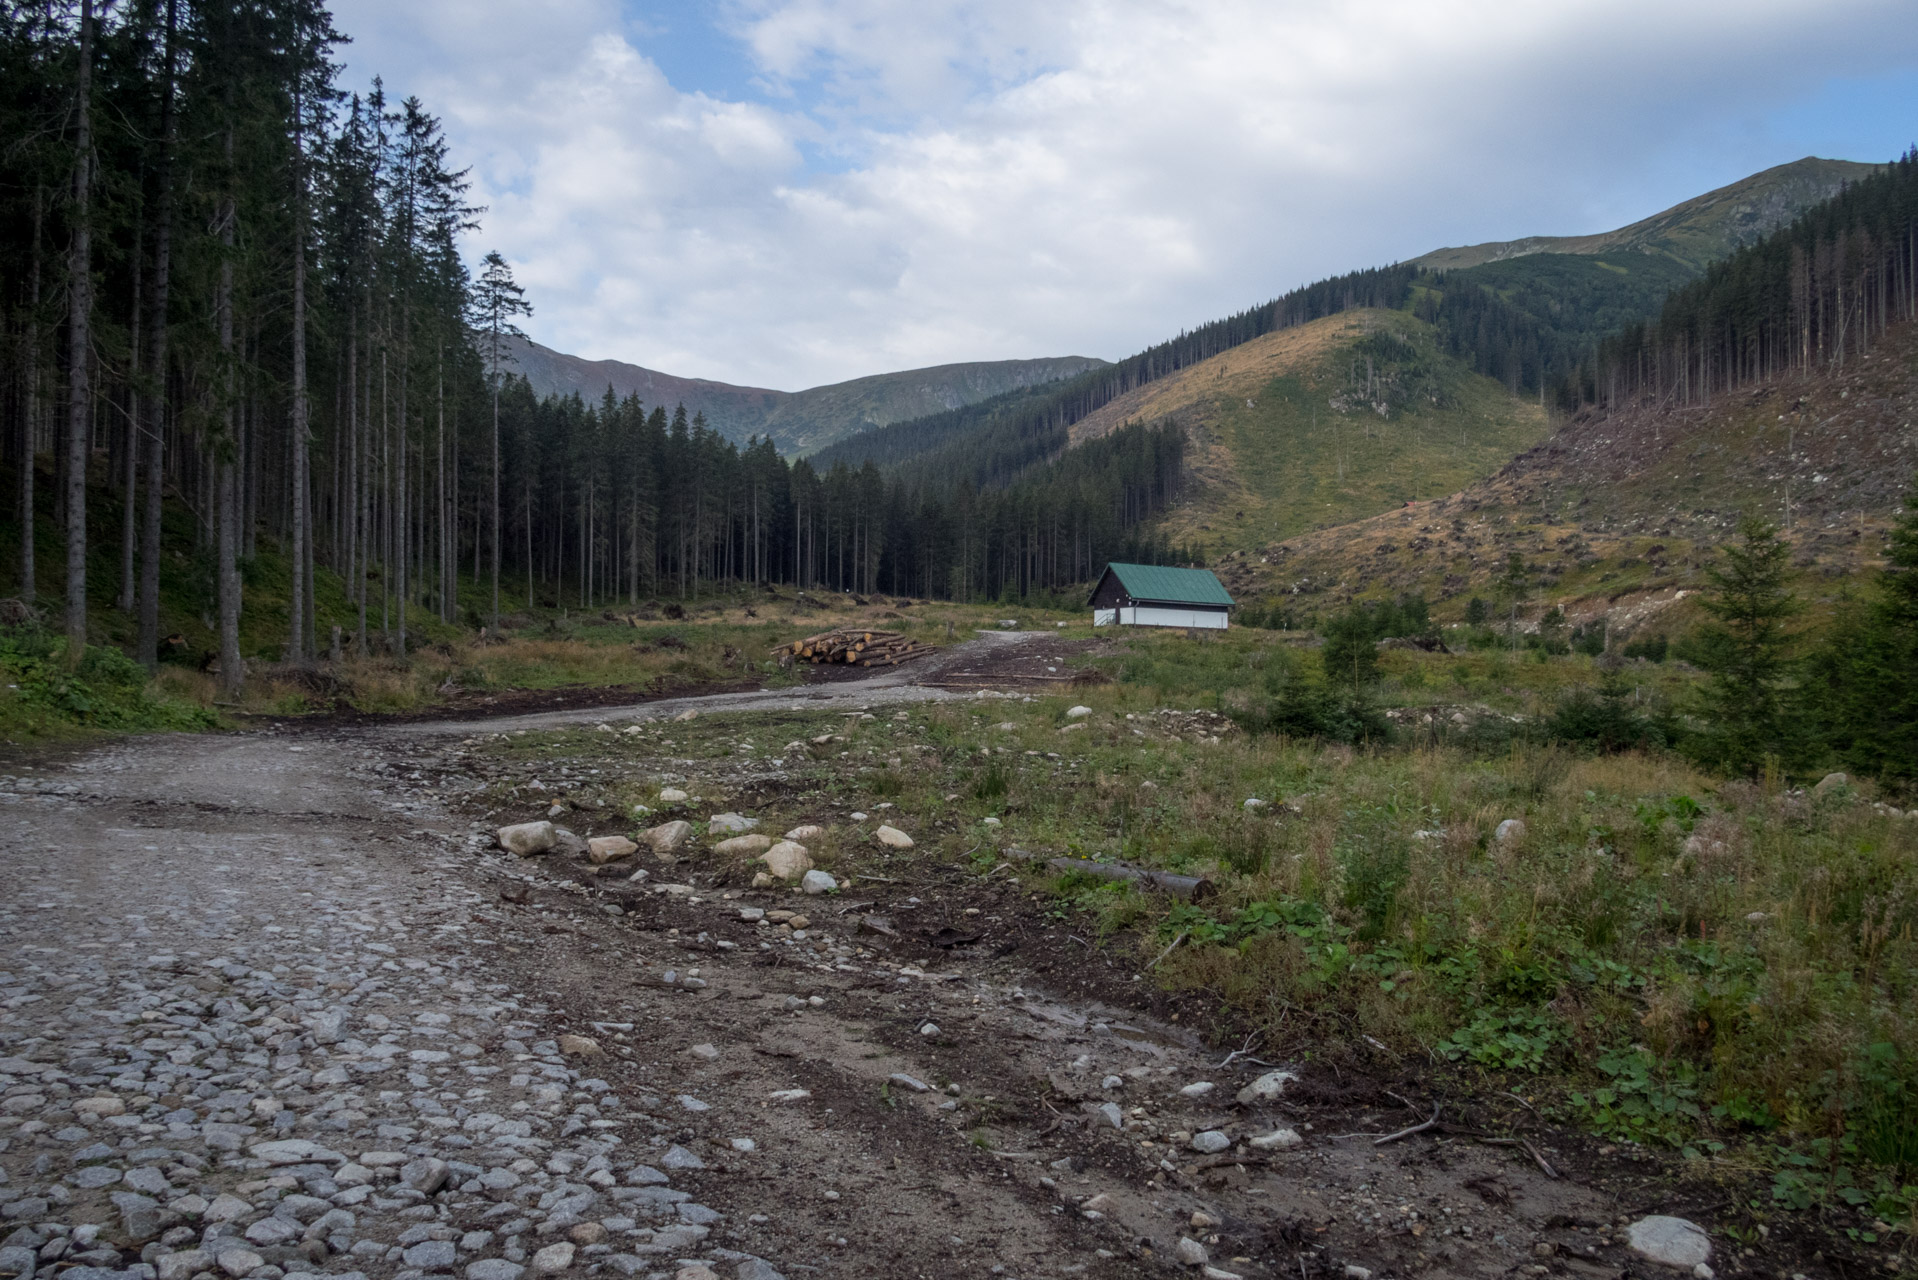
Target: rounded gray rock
554,1258
431,1255
425,1175
1670,1242
494,1269
527,838
238,1262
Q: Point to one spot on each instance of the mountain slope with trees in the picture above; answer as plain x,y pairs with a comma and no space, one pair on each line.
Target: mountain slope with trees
1524,316
799,422
1781,385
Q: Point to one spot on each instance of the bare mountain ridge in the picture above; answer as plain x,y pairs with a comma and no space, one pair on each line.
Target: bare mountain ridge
799,422
1696,232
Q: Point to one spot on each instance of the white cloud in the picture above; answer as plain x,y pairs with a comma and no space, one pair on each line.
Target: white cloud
1006,179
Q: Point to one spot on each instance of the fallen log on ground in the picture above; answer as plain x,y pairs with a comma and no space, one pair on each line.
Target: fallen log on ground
1190,888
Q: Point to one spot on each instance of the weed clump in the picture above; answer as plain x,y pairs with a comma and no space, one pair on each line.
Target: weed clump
104,690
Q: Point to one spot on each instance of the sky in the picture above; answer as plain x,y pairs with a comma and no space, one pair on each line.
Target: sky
788,193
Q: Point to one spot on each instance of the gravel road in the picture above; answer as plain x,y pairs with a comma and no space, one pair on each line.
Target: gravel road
885,686
271,1003
250,1027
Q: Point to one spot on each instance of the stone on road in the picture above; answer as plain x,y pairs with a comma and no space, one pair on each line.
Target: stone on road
527,838
1670,1242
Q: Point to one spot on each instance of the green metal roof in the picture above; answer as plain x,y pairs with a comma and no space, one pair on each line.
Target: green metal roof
1173,586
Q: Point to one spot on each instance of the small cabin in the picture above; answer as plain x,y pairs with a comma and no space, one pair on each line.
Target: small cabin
1151,595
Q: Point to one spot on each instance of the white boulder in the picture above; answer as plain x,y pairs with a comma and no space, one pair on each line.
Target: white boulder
1277,1140
1670,1242
787,860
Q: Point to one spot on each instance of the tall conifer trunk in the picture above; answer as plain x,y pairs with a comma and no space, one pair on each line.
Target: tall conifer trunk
226,494
80,346
355,539
296,650
130,487
439,475
496,527
154,406
30,427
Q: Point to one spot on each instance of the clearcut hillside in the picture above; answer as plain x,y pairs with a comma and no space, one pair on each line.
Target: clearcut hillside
1619,513
1322,424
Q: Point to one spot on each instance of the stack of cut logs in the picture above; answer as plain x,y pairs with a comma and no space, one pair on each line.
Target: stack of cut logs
857,647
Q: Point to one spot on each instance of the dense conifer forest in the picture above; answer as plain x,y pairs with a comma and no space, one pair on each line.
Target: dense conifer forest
239,324
1818,292
231,293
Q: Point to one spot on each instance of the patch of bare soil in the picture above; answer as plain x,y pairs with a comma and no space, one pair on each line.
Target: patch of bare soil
1029,1040
469,704
1025,1031
1032,661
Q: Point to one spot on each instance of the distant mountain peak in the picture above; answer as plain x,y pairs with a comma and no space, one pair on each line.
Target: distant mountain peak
798,422
1696,232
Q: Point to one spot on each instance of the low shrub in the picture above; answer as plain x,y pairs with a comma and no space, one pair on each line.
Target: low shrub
104,690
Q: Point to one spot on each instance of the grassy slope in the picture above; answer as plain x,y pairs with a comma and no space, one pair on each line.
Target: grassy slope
1283,445
1617,514
1696,232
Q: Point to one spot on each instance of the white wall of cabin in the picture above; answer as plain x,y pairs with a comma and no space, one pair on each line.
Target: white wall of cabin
1143,616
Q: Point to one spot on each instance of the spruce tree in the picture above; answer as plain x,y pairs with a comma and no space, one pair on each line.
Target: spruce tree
1746,705
1867,674
1351,654
497,298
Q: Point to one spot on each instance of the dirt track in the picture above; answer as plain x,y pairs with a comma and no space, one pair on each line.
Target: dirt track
337,956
